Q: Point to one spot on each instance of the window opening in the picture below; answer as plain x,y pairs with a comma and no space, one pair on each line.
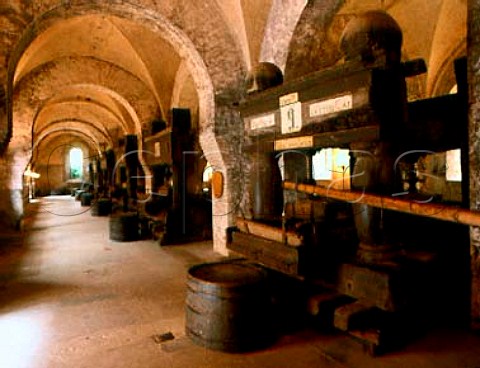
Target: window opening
76,163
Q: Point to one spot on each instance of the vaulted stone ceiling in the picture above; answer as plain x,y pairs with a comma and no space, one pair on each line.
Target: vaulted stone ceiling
91,67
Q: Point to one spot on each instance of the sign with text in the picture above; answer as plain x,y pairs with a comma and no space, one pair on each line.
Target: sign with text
291,143
291,116
331,106
263,121
288,99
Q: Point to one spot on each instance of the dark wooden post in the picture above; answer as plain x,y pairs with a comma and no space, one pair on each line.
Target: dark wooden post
131,160
265,183
91,172
110,166
181,154
373,173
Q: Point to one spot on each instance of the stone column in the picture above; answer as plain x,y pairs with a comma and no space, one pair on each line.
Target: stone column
473,56
222,148
12,166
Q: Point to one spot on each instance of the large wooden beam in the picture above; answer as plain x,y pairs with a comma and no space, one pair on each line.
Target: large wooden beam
272,254
432,210
269,232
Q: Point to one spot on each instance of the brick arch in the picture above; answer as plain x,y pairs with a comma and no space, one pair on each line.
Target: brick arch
445,78
313,44
90,140
206,68
35,89
88,129
193,42
51,161
281,24
56,112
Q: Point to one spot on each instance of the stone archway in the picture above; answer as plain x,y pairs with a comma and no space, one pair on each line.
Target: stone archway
203,67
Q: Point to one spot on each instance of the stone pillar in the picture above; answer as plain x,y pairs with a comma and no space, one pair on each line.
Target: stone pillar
222,148
473,55
12,166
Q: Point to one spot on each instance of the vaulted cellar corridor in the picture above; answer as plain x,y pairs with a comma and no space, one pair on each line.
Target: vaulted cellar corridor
326,151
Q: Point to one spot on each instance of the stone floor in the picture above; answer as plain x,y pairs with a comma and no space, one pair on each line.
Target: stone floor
70,297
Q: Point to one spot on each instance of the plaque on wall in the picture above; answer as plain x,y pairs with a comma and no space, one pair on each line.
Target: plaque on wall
291,116
263,121
292,143
290,113
331,106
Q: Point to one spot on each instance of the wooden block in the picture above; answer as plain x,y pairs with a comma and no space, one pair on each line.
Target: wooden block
269,232
379,288
271,254
349,316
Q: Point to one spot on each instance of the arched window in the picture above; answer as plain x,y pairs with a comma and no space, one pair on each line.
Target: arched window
207,177
76,163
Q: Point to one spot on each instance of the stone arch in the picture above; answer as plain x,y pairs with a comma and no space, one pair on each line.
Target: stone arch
208,72
51,161
61,73
59,114
135,101
202,74
281,23
97,135
445,79
314,43
184,92
53,133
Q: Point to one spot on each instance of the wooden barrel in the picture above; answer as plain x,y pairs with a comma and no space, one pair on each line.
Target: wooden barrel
228,307
124,227
101,207
86,199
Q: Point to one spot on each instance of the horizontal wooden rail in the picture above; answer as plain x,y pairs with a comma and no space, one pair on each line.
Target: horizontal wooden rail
433,210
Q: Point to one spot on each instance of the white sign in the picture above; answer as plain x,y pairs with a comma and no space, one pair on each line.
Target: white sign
291,118
331,106
291,143
264,121
288,99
